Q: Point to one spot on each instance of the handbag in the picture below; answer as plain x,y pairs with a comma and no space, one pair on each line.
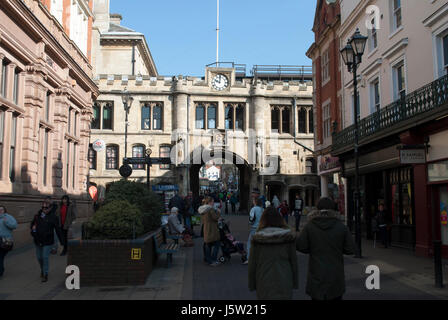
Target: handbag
6,244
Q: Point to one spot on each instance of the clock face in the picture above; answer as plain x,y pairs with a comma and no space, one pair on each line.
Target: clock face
220,82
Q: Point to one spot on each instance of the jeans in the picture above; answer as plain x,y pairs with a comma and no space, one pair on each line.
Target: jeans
188,222
42,254
56,241
286,219
3,254
384,235
297,216
211,256
251,233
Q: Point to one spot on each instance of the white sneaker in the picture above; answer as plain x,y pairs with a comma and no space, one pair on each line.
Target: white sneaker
246,262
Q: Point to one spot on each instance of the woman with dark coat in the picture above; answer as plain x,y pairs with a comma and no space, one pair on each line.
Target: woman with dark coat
67,214
273,270
326,239
43,227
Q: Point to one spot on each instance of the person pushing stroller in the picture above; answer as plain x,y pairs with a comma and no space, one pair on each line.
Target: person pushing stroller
229,244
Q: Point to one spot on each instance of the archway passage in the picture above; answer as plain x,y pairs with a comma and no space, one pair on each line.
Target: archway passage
242,169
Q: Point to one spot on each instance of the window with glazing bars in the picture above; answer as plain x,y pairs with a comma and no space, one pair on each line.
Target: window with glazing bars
111,157
92,158
138,152
164,152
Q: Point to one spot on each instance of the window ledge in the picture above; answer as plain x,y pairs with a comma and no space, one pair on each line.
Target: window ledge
372,52
395,32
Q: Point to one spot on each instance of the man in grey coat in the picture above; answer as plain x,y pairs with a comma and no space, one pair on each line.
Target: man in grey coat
326,239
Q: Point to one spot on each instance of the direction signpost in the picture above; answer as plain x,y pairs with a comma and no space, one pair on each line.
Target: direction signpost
126,169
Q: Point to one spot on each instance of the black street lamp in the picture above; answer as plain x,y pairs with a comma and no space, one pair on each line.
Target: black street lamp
127,103
352,56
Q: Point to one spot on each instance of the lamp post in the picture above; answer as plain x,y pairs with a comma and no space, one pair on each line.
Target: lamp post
148,152
127,103
352,56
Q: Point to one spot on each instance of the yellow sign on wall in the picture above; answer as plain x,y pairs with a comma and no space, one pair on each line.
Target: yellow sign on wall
136,254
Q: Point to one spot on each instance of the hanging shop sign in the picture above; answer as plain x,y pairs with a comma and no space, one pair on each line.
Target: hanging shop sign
413,156
329,164
98,145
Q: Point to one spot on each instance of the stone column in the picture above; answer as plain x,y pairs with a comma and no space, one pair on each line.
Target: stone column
324,185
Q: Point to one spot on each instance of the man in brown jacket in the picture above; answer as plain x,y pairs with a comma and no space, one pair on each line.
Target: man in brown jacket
210,218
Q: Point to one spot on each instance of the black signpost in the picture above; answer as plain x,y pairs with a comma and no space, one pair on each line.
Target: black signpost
126,170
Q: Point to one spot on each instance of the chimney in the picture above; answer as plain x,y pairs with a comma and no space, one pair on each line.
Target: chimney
115,18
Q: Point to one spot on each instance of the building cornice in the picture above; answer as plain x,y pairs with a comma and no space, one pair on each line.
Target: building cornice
400,45
436,16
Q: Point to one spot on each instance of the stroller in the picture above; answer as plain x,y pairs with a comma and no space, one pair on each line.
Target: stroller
229,244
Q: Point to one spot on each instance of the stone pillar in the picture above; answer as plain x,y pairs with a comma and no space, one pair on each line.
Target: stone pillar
324,185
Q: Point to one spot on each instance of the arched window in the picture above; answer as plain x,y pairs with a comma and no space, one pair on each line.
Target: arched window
275,119
286,120
138,151
96,116
239,118
164,152
310,121
108,113
200,117
211,117
92,158
146,117
112,157
157,117
229,117
302,120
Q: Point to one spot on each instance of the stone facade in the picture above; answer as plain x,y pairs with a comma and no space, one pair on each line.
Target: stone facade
46,102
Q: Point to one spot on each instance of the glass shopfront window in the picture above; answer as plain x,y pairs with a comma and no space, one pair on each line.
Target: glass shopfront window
443,196
401,196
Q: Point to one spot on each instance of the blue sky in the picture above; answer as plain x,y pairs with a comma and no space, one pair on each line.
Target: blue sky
181,34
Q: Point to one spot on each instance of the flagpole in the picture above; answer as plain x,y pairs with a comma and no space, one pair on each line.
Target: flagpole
217,34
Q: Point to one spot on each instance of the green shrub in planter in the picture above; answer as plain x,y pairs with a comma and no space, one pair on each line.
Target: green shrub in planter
149,203
116,219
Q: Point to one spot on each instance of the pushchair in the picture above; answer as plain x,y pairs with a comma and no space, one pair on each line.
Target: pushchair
229,244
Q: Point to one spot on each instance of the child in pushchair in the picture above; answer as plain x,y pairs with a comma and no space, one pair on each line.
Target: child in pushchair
229,244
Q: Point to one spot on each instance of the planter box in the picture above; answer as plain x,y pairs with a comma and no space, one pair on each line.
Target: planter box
113,262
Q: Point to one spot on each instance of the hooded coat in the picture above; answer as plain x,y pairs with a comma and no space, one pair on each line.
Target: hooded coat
326,239
273,269
210,221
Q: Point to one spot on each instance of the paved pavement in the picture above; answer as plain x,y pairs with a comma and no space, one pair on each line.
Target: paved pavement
403,276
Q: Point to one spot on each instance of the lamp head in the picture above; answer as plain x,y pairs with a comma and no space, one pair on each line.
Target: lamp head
348,55
358,43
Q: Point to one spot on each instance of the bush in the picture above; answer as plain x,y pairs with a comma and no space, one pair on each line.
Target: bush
148,202
117,219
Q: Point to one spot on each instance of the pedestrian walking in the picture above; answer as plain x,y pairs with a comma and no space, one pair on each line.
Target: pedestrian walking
381,221
210,218
233,202
326,239
254,220
43,228
276,202
298,208
67,214
284,210
189,209
273,268
7,225
53,210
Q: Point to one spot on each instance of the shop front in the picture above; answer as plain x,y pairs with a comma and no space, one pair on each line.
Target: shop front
332,184
438,182
384,180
